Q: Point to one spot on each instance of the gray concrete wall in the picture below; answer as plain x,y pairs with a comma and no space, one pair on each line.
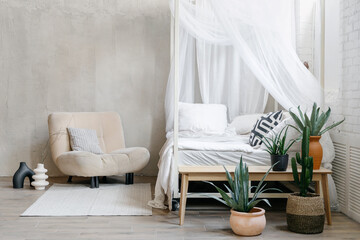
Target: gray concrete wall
83,55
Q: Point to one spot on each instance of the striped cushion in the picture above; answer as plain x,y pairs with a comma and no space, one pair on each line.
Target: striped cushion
84,140
263,126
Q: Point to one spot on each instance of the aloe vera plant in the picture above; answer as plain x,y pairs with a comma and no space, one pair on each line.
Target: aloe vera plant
239,189
276,145
315,122
306,163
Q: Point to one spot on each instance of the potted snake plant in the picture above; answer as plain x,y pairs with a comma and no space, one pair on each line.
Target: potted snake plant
304,211
246,219
277,147
315,123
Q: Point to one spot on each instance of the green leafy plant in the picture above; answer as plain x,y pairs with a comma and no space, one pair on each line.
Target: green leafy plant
306,163
239,190
276,144
315,122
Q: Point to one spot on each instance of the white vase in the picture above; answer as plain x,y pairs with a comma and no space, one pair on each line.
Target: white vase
40,177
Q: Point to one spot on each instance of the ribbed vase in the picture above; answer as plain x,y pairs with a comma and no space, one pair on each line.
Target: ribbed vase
40,177
316,151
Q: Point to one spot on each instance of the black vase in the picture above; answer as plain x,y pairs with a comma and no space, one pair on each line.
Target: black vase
281,160
20,175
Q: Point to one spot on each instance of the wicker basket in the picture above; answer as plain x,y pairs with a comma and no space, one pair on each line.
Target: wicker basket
305,214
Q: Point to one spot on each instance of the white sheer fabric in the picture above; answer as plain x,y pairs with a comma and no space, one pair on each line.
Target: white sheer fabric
242,50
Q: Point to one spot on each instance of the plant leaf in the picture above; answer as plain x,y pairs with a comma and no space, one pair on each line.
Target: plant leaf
253,204
331,127
313,113
308,123
223,194
297,120
229,178
320,123
301,115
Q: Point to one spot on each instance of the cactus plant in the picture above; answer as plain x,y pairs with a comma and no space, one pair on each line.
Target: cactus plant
306,163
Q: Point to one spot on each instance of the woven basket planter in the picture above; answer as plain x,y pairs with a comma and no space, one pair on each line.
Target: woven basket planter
305,214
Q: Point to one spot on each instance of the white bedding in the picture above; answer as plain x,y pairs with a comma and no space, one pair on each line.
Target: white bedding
212,149
211,158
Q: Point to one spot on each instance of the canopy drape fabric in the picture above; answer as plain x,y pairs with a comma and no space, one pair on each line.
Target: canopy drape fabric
235,52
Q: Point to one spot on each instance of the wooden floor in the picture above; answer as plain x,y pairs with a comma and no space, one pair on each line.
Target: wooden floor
204,224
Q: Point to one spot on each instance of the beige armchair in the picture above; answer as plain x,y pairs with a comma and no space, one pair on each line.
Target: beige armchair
116,159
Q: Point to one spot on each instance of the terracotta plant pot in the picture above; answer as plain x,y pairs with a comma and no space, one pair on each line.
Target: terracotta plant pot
248,224
316,151
305,214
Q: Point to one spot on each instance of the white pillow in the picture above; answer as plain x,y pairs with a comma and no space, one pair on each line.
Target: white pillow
291,134
286,115
86,140
205,118
244,124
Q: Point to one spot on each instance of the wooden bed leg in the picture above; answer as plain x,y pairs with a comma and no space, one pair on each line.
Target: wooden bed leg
325,190
184,189
317,187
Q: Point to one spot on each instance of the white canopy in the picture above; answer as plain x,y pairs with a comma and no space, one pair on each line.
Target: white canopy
232,52
236,52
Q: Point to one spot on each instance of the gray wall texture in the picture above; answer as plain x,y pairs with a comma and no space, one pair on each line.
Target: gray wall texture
83,55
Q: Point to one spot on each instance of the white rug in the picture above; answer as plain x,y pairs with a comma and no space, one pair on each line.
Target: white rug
80,200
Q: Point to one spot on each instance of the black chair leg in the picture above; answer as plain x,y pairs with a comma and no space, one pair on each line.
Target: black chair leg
175,204
97,182
69,179
104,179
129,178
92,182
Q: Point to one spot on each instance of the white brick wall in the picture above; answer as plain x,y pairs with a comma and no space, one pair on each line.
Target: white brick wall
348,102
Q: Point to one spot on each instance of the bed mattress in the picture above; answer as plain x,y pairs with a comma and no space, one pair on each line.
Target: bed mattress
210,158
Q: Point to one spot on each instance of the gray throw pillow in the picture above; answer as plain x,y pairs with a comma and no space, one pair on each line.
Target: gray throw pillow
86,140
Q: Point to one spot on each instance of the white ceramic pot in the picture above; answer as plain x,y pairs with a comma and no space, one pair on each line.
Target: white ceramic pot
40,177
248,224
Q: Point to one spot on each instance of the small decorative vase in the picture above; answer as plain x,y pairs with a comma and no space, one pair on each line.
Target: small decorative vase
20,175
281,160
248,223
40,177
305,214
316,151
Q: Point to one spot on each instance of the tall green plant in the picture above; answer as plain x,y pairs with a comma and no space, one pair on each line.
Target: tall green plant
315,122
306,163
239,189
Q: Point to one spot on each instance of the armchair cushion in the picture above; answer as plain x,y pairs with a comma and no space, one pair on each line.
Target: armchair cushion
86,164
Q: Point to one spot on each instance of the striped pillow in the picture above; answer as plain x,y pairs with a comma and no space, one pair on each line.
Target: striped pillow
263,125
85,140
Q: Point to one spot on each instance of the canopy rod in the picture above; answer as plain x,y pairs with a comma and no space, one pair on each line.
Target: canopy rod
176,54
